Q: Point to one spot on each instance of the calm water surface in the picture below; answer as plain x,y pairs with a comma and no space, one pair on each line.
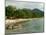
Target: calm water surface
33,26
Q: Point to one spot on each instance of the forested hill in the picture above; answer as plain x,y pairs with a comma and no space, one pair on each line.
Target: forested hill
38,13
23,13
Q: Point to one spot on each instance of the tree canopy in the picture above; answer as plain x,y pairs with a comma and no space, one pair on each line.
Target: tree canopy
11,11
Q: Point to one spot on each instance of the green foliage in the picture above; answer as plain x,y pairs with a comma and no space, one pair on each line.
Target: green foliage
23,13
10,11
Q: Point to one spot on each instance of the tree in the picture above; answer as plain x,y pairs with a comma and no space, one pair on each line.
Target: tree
10,10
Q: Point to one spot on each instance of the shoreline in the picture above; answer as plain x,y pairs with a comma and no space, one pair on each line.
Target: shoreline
18,20
15,20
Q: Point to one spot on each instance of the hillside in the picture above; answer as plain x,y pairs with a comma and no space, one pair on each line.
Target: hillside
23,13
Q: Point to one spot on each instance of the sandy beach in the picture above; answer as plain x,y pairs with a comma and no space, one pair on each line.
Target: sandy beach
15,20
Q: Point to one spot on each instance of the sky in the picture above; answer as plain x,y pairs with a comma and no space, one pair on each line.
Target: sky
21,4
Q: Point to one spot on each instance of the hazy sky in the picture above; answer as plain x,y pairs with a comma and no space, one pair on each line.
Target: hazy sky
29,5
